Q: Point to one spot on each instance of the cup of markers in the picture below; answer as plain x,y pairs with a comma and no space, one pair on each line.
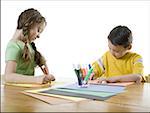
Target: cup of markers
83,74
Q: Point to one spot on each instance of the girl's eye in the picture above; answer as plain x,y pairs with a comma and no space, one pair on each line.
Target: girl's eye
39,30
38,36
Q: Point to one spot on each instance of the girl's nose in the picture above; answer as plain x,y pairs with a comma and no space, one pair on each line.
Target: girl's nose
37,36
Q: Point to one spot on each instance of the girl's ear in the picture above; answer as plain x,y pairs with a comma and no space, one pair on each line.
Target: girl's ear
129,47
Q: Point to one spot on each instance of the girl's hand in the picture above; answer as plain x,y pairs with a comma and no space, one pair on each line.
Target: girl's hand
48,79
52,77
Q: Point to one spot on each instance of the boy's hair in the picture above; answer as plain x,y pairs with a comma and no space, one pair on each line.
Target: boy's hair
27,19
120,35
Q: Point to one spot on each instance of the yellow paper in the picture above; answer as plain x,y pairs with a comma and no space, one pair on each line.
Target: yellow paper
37,91
116,83
33,85
76,99
121,83
28,85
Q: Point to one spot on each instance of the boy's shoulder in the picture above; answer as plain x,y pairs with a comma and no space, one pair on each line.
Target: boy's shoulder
129,55
133,54
135,57
106,53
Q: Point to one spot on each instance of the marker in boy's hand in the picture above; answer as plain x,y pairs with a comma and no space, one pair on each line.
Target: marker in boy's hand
85,81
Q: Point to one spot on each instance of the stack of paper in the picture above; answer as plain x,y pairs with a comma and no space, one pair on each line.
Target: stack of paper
98,92
72,92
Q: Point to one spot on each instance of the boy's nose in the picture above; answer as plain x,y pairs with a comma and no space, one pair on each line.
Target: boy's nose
113,54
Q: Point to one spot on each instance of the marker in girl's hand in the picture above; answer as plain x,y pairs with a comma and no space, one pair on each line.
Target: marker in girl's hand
46,72
44,69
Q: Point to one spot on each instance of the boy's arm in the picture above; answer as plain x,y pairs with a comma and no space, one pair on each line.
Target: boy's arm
136,75
126,78
98,68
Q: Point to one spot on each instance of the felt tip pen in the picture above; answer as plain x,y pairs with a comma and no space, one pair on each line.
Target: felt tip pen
92,74
88,76
78,73
89,66
44,69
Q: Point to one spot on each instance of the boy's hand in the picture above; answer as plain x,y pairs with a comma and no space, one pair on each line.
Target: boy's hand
100,80
93,81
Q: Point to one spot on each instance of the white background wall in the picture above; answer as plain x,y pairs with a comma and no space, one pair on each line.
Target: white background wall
77,31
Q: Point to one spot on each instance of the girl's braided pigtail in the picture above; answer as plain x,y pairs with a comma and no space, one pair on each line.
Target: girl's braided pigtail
26,53
39,60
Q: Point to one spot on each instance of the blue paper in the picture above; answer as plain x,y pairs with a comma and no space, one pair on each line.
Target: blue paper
79,93
91,87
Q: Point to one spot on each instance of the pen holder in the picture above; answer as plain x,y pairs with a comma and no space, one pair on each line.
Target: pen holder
147,78
78,73
83,86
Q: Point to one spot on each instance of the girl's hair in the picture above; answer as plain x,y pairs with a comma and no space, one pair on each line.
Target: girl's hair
27,19
37,57
120,35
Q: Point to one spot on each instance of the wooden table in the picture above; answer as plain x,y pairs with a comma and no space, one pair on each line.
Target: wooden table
136,98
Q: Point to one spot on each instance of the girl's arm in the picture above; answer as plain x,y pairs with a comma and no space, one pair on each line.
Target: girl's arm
12,76
45,70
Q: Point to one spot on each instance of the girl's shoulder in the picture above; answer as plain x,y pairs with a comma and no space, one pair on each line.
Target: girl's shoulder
15,43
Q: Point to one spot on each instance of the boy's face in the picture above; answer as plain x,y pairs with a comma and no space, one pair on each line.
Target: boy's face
117,51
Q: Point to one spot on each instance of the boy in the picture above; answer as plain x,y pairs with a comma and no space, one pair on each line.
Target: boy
118,64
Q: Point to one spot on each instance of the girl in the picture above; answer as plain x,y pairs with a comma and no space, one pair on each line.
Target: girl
21,54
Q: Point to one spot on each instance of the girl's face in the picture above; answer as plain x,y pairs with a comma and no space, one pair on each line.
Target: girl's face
36,30
117,51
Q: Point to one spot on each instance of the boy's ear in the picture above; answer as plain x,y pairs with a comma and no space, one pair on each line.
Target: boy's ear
129,47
